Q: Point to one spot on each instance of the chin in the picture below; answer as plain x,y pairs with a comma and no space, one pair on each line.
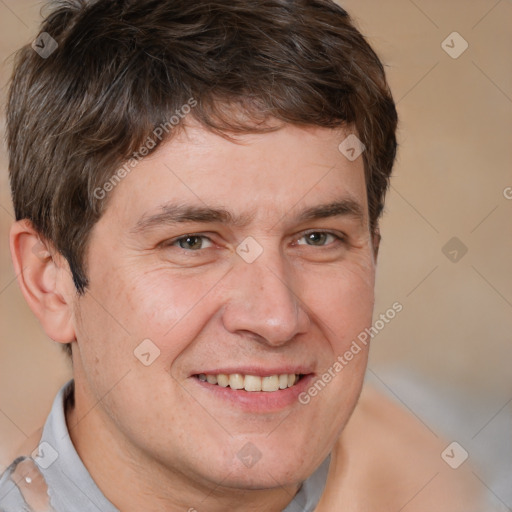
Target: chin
268,469
264,478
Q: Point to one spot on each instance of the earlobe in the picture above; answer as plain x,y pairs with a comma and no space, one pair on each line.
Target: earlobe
44,280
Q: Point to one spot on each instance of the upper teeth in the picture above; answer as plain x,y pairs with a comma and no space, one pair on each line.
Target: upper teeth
251,382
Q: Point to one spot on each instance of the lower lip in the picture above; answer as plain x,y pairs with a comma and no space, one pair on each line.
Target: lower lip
257,401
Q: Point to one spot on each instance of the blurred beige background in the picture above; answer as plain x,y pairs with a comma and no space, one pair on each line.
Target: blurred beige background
447,355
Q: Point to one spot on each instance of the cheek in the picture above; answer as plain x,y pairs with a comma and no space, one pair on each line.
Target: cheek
342,302
158,305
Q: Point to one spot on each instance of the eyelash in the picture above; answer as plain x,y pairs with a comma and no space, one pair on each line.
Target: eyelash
337,237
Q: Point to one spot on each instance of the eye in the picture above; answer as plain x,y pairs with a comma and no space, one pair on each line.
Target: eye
318,238
192,242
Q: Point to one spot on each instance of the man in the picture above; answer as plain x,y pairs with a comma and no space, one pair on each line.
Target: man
197,188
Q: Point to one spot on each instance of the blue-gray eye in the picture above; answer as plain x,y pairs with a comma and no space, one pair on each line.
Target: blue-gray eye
318,238
192,242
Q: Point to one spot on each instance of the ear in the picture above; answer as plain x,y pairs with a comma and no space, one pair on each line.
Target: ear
376,238
45,281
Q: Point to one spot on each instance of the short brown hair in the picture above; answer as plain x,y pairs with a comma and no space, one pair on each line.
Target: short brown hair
123,68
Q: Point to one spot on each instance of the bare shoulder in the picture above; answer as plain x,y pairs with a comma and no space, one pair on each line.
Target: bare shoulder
388,460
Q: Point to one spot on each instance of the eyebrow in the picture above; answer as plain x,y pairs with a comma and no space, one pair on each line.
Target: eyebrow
344,207
172,214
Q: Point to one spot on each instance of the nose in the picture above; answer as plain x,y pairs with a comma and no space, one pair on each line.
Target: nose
262,303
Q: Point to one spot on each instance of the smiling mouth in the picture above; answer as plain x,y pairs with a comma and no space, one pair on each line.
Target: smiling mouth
251,383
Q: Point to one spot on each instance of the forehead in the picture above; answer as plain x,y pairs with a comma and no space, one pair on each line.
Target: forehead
257,175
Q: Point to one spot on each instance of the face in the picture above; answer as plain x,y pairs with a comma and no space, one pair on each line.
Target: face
250,264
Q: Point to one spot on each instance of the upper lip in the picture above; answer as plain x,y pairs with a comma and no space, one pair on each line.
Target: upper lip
256,370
